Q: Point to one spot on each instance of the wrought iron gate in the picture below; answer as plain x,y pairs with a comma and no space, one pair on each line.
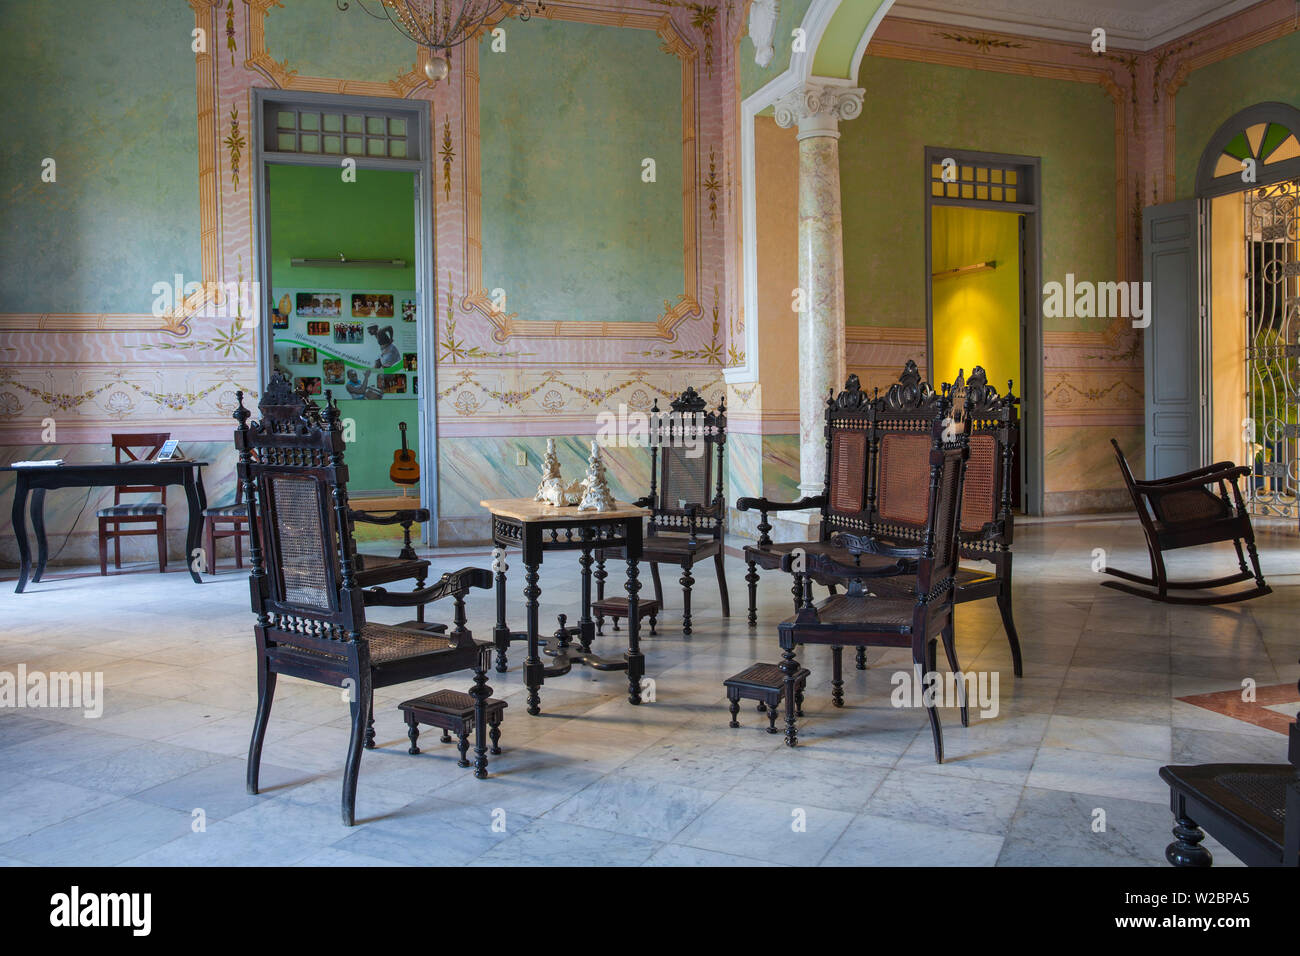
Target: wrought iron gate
1272,425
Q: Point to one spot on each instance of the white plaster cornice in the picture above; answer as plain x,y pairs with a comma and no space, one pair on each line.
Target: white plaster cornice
817,106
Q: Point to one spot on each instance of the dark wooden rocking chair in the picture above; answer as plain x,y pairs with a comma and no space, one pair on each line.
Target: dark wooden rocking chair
1252,809
926,557
311,620
1182,512
687,523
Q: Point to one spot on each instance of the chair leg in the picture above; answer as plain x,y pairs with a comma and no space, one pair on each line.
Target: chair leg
923,653
481,692
687,581
734,707
419,608
950,649
265,695
837,677
162,548
360,707
117,549
790,668
103,547
210,545
370,722
1254,560
462,744
719,565
1186,850
413,732
659,588
1008,619
751,579
861,660
494,734
239,548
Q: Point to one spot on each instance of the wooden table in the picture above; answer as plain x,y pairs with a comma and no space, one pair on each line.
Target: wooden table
535,528
38,479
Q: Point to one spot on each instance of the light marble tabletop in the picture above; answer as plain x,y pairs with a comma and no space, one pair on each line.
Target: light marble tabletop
528,510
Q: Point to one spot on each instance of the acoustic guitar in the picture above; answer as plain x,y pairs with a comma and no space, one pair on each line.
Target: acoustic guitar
405,470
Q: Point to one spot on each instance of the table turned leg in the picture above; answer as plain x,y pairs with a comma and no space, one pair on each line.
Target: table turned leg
635,659
194,533
586,626
533,666
501,633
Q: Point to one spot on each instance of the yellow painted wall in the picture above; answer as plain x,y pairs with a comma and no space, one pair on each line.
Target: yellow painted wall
977,314
1228,326
776,180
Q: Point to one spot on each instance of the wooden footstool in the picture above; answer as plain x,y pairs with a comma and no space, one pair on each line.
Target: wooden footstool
766,684
616,607
453,712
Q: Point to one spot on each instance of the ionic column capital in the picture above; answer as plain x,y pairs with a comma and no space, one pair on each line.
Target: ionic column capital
817,108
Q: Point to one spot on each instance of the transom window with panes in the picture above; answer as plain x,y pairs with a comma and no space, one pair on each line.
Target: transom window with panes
993,183
370,133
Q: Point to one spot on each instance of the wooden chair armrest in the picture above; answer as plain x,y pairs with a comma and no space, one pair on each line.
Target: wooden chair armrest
645,501
863,544
824,564
765,506
1159,491
390,517
453,583
1195,473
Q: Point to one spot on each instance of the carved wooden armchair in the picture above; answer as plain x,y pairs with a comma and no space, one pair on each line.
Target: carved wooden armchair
311,620
992,423
371,570
688,518
1182,512
848,499
923,501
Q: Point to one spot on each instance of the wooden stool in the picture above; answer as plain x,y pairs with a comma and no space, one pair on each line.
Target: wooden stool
616,607
453,712
766,684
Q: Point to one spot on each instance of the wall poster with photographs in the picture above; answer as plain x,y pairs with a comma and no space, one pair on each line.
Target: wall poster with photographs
362,341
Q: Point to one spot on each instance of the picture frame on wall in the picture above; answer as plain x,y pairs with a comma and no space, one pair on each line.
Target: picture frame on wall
393,384
348,333
310,384
408,310
304,355
318,328
372,305
328,304
333,372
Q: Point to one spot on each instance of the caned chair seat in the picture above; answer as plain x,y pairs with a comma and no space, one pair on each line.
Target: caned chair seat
226,511
144,508
671,547
1243,806
389,643
1190,506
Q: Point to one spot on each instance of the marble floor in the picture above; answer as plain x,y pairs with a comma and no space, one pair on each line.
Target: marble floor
1064,774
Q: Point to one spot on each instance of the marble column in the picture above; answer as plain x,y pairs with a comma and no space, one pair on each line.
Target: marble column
816,108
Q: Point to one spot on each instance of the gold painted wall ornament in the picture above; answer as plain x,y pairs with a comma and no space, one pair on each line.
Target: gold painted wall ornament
702,18
712,186
235,143
981,41
448,154
230,29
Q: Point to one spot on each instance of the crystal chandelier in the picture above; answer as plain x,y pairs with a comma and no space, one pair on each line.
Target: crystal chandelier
439,25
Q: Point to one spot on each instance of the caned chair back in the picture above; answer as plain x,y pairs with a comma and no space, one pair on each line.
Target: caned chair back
993,423
849,437
138,446
687,466
295,485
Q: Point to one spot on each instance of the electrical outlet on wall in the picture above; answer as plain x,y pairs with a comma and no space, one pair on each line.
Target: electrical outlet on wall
521,458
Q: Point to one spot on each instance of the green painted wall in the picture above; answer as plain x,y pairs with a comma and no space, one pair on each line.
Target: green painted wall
976,314
315,38
567,114
92,86
313,213
1214,93
1069,125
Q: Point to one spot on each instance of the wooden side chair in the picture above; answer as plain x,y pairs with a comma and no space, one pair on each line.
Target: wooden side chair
226,521
688,512
926,498
1252,809
1184,511
141,446
311,618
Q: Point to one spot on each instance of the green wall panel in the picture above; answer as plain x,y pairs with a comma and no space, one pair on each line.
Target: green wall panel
570,230
111,99
315,38
1069,125
753,76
